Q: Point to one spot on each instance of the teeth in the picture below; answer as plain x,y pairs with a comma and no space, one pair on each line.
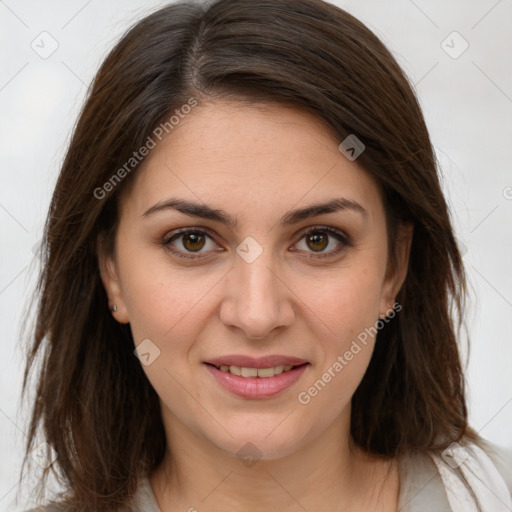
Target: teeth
235,370
249,372
278,369
255,372
265,372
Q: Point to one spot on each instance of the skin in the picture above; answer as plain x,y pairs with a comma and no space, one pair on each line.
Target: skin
256,163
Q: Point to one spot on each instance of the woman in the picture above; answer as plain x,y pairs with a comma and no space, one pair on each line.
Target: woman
248,276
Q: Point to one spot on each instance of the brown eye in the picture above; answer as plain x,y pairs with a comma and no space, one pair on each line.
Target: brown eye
323,242
193,241
189,243
317,241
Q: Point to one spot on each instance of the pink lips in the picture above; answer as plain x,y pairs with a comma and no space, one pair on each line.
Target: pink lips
256,387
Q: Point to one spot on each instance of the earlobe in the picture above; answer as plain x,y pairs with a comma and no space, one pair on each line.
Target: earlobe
112,285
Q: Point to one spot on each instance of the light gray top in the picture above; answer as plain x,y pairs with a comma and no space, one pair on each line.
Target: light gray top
421,487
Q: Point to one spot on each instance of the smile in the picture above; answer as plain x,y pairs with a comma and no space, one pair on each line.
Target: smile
264,373
256,383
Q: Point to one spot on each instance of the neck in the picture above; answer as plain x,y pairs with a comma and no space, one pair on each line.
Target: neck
329,470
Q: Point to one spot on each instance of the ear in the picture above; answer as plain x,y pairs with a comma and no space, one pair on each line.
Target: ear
395,274
110,279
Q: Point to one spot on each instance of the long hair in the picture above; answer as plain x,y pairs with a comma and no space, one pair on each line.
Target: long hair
94,405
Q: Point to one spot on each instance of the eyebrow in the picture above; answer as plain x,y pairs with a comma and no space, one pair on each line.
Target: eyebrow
292,217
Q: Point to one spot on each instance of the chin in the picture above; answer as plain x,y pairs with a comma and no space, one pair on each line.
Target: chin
260,442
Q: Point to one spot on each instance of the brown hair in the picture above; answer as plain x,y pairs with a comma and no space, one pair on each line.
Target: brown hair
94,404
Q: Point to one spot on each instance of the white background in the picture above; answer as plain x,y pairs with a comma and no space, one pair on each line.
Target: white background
467,103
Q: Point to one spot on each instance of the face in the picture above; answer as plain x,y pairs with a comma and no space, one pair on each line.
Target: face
248,276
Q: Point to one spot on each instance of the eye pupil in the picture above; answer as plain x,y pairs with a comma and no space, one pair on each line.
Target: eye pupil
194,238
316,239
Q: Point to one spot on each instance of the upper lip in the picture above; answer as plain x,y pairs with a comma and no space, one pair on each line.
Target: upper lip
256,362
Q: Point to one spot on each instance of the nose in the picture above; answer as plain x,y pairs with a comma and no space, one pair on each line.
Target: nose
257,301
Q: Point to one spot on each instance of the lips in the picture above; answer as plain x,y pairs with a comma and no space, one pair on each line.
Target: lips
252,377
256,387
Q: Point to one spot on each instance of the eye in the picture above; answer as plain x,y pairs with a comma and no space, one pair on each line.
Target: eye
189,241
320,238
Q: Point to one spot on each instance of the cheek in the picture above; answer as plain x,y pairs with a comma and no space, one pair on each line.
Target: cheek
163,301
169,307
349,308
346,302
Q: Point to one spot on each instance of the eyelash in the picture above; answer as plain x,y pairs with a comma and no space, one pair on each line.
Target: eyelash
341,237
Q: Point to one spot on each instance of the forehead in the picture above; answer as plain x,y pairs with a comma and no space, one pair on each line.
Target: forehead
264,154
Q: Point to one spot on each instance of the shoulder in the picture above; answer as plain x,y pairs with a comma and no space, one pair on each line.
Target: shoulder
457,477
144,499
60,507
475,473
52,507
421,486
501,458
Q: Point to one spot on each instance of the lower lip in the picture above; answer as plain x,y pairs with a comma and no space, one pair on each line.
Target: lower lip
257,387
